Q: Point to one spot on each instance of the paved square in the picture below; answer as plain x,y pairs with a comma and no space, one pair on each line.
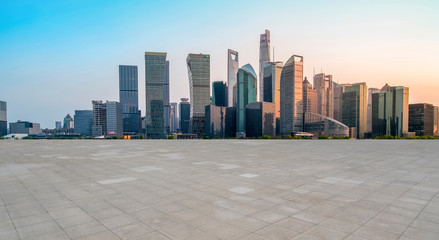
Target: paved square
219,189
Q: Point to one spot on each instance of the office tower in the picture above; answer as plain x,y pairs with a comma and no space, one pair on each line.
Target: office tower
260,119
114,119
3,119
271,82
324,88
99,127
232,70
338,93
309,97
174,117
264,57
166,107
155,79
68,122
421,119
58,125
198,66
129,99
370,91
390,111
83,122
354,109
219,94
215,121
24,127
246,93
230,125
291,99
185,115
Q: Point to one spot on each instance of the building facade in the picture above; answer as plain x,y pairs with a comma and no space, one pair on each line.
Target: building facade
129,99
198,66
219,94
83,122
24,127
174,117
114,119
354,109
232,70
246,93
260,119
309,97
370,91
264,57
99,127
185,115
271,82
325,97
338,94
291,98
320,125
166,99
3,119
68,122
215,121
422,119
155,78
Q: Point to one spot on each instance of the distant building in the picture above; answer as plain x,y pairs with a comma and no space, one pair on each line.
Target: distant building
155,79
198,66
185,115
354,109
232,70
129,99
260,119
114,119
338,94
166,100
390,111
58,125
422,119
215,124
84,122
25,127
264,57
436,121
219,94
271,82
246,93
230,125
174,117
370,91
99,127
68,122
320,125
291,98
309,97
3,119
325,97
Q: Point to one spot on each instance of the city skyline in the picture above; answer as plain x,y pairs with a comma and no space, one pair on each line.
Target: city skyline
379,45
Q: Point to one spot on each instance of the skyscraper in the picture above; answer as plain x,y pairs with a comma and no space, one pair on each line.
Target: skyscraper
264,57
219,94
185,115
155,78
324,88
114,119
83,122
99,127
198,66
174,117
215,121
166,107
260,119
291,98
232,70
68,122
246,93
309,97
58,125
271,82
3,119
370,91
129,99
421,119
354,109
390,111
338,93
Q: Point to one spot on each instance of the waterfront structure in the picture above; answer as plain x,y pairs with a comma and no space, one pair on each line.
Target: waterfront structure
325,98
309,97
264,57
129,99
166,100
260,119
390,111
215,117
291,98
99,127
155,79
114,119
68,122
232,70
219,94
370,91
3,119
320,125
246,93
422,119
354,109
185,115
174,117
198,66
24,127
83,122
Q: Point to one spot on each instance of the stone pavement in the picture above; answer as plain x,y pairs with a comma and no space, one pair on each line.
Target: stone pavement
219,189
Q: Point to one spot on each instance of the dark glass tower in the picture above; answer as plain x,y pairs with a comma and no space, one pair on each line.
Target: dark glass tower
185,115
128,96
219,94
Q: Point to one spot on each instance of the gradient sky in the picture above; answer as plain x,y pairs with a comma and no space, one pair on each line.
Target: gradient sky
57,56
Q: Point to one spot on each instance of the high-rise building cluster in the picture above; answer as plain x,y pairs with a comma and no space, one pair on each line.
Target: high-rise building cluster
278,101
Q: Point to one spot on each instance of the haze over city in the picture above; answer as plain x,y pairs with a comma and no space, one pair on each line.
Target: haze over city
57,57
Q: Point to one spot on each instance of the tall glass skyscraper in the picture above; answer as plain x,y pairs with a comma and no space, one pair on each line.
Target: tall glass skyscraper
325,97
3,119
155,78
264,57
246,93
185,115
354,109
219,94
166,107
291,99
129,99
232,70
271,82
83,122
198,66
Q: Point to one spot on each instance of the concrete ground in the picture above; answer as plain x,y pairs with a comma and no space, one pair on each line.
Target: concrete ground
219,189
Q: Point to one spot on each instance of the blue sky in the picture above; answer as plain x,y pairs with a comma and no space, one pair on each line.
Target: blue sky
57,56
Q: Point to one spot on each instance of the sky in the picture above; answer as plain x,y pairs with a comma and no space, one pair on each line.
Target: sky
58,56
